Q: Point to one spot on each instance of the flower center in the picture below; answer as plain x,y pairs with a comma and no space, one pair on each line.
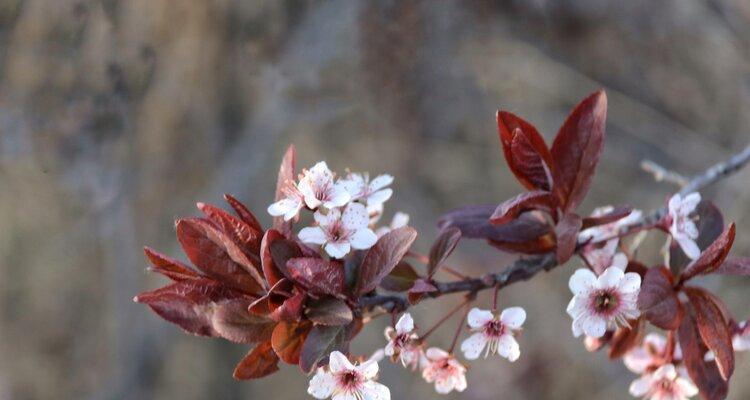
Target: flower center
337,232
666,386
494,328
605,302
349,380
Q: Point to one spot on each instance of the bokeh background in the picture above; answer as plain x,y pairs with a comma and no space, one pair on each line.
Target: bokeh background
117,116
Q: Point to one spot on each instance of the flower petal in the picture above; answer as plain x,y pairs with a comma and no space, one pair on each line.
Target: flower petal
355,217
368,369
337,196
379,197
508,348
691,201
380,182
630,282
610,278
472,347
321,385
405,324
285,207
338,362
399,220
581,281
337,250
478,318
620,261
594,326
689,247
363,239
314,235
434,353
513,317
641,386
375,391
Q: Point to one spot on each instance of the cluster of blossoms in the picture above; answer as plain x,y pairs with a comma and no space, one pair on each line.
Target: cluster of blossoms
345,209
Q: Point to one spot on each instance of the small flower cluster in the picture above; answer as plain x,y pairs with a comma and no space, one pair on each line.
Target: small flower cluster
662,375
345,209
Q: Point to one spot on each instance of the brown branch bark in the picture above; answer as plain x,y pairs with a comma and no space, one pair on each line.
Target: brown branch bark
525,268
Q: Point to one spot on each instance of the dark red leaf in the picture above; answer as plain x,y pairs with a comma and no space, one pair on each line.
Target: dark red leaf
419,289
287,340
233,322
401,279
291,309
566,233
616,214
658,300
321,341
525,151
705,374
442,248
258,363
512,208
713,329
271,272
626,338
383,257
541,245
318,275
577,148
712,257
738,266
329,311
246,237
474,223
710,225
217,256
286,175
170,267
189,304
242,212
282,251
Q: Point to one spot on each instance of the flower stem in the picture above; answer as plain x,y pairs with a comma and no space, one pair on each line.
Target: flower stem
459,329
445,318
426,260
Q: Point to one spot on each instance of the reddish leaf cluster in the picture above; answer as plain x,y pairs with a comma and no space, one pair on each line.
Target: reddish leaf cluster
265,288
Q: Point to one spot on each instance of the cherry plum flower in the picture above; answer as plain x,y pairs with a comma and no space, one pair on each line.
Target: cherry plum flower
372,192
666,383
402,344
339,233
399,220
319,189
603,239
496,334
343,380
602,303
682,227
650,355
289,206
444,370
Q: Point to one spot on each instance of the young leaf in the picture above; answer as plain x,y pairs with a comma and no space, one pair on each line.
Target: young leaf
710,224
321,341
271,272
513,207
525,151
170,267
442,248
329,311
286,175
383,257
577,148
713,329
189,304
233,322
259,362
705,374
242,212
290,310
287,340
711,258
738,266
419,289
217,256
318,275
566,233
401,279
658,300
246,237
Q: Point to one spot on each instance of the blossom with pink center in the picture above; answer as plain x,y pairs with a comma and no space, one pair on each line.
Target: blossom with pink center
603,303
339,233
372,192
343,380
602,240
289,206
682,227
318,188
666,383
444,370
399,220
496,334
650,355
402,345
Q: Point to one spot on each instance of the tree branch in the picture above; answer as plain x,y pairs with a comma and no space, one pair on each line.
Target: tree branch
525,268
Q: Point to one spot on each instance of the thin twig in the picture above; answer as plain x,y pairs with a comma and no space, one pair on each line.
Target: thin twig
525,268
662,174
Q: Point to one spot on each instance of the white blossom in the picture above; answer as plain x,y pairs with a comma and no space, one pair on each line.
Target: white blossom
402,344
399,220
319,189
372,192
444,370
666,383
289,206
496,334
682,228
343,380
650,354
339,233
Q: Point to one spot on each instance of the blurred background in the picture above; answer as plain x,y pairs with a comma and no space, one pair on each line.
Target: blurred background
117,116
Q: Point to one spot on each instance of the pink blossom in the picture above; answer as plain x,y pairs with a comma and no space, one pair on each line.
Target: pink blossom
289,206
496,334
402,344
339,233
682,228
666,383
602,303
372,192
344,381
603,238
443,369
650,355
318,188
399,221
